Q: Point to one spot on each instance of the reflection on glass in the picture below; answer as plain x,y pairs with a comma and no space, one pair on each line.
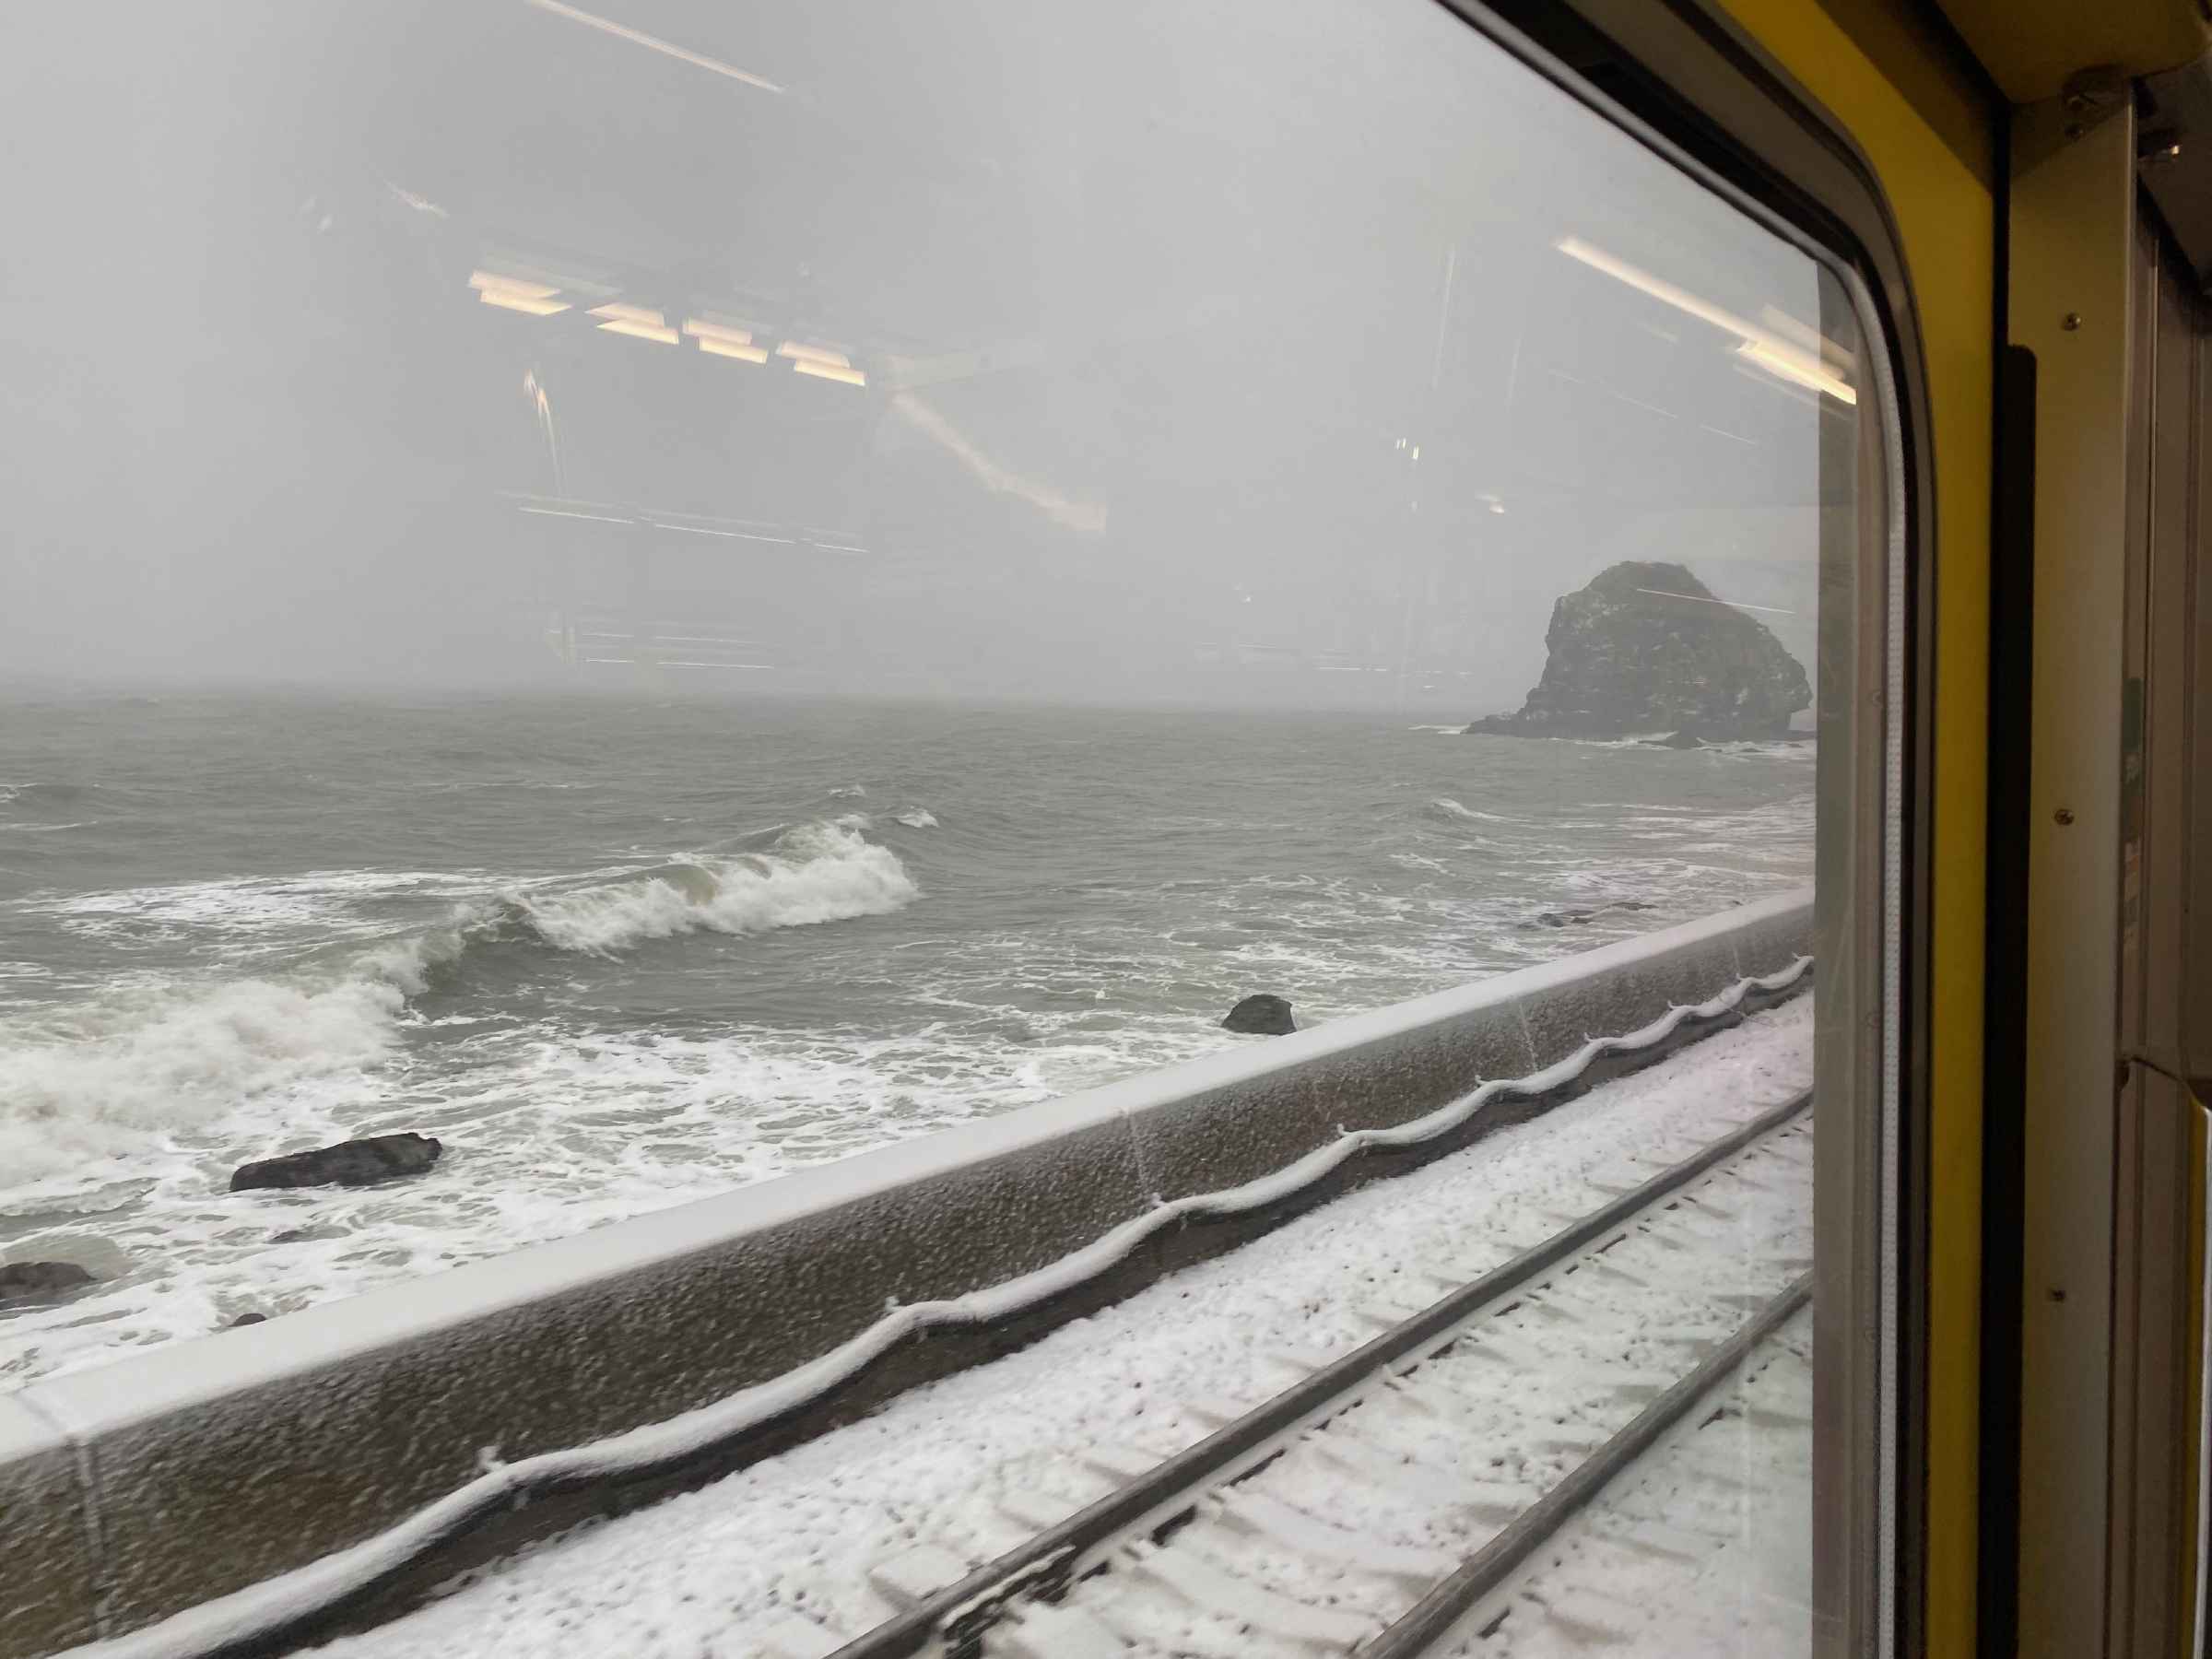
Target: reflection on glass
1107,458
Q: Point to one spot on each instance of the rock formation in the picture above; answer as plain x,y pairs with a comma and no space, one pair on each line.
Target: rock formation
349,1163
1263,1015
1647,648
40,1279
1582,918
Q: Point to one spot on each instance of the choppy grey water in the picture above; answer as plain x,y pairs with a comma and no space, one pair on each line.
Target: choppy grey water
619,953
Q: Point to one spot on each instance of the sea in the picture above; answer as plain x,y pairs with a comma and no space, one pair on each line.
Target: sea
623,951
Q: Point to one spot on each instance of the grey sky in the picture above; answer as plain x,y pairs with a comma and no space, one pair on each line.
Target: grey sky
1144,296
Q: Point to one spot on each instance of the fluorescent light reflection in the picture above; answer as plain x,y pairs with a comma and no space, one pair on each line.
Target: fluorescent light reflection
1759,344
637,37
851,377
744,354
516,294
642,331
629,313
492,282
1791,367
596,518
1700,599
701,329
522,302
813,354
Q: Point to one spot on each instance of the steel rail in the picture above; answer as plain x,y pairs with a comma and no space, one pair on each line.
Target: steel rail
1437,1617
962,1611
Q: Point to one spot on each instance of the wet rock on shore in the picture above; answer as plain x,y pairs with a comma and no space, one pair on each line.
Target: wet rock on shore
349,1163
28,1280
1262,1015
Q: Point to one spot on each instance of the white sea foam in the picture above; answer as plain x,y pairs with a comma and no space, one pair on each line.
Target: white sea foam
1453,808
147,1063
321,902
917,818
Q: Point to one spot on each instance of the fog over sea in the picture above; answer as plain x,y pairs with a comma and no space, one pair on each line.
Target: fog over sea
621,952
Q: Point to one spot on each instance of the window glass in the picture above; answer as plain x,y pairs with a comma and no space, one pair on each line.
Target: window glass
669,593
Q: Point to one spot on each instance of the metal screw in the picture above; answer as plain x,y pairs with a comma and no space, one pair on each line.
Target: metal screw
2065,815
2070,322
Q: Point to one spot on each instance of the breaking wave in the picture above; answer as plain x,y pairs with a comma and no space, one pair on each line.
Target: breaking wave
159,1060
813,874
917,818
156,1064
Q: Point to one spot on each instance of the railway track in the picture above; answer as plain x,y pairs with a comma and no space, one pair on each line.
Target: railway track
1381,1499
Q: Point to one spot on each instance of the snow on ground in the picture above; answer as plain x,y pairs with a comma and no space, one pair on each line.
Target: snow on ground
1704,1547
1355,1520
705,1575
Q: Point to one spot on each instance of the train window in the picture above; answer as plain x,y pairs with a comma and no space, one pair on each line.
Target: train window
660,594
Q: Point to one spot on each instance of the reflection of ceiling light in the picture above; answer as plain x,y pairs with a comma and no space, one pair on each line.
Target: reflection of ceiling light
813,354
1760,345
749,354
851,377
1620,270
492,282
1796,368
596,518
522,302
717,331
1702,599
654,43
514,293
642,331
629,313
1810,341
1497,506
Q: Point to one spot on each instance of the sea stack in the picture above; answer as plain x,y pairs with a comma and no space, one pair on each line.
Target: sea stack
1647,648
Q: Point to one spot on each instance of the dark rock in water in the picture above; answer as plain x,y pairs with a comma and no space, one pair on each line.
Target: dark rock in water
349,1163
1647,647
1580,918
20,1279
1684,739
1263,1015
244,1319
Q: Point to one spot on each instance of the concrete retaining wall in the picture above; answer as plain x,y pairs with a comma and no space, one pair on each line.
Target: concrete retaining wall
132,1491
